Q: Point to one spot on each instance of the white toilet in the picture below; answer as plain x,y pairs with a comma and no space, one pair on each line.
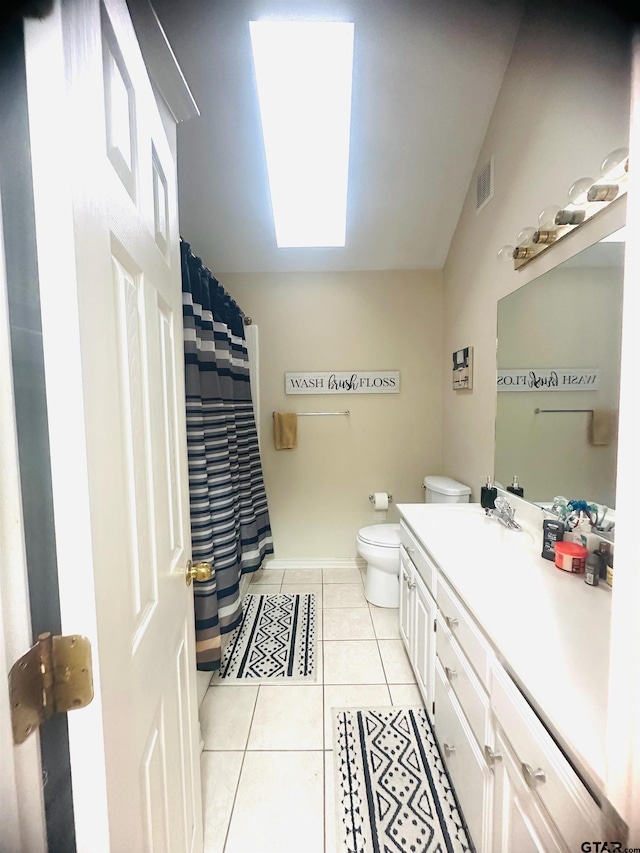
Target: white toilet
379,544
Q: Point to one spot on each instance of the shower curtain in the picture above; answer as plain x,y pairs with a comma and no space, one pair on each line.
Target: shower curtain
229,515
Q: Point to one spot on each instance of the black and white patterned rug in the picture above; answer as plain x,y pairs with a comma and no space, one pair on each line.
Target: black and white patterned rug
393,794
276,640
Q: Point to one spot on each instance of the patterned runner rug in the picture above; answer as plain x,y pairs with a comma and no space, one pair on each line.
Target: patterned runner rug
393,794
276,640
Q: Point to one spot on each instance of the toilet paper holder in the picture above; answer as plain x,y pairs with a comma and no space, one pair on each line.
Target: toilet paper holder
372,498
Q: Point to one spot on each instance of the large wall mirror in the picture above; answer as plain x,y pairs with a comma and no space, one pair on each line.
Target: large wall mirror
562,442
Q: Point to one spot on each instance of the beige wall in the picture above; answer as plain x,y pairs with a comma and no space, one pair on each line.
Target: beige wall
563,107
318,492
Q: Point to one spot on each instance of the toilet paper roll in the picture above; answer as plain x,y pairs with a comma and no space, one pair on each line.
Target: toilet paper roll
380,501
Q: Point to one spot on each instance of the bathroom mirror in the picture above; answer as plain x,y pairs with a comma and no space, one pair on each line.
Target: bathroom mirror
568,317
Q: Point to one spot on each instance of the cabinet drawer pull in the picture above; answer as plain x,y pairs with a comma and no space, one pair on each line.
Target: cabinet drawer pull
451,621
411,584
405,576
533,777
491,756
410,550
448,750
450,673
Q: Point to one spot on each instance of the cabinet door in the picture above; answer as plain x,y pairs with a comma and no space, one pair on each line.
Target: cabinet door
471,777
405,610
424,643
518,821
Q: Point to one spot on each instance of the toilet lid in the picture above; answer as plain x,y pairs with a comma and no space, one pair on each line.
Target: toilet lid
384,535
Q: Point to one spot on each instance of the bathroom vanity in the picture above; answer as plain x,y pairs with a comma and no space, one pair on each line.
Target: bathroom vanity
511,656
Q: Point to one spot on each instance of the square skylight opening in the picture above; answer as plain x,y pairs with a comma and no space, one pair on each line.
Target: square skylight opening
304,74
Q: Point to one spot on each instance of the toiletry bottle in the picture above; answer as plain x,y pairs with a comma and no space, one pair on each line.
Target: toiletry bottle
582,531
603,552
488,495
552,532
592,570
515,489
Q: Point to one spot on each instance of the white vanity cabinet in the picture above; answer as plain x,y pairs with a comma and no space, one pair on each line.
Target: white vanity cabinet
517,789
417,614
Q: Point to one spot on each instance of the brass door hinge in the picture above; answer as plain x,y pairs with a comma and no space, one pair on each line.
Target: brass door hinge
53,677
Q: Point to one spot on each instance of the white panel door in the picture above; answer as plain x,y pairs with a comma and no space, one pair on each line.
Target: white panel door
108,252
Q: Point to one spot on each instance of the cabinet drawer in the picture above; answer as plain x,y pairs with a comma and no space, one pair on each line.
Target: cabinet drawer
453,614
473,698
565,797
425,566
467,768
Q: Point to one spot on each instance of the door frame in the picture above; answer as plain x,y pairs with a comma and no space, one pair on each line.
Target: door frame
21,796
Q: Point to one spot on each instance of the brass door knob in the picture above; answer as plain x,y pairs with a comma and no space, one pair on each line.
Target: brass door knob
198,572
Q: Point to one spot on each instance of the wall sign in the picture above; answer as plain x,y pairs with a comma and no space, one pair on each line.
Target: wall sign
463,369
343,382
549,379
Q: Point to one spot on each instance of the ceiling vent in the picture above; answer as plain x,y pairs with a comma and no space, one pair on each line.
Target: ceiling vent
484,186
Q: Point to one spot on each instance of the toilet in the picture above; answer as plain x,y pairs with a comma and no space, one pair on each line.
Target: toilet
379,544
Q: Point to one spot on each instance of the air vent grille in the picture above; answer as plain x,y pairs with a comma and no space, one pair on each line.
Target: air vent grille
484,186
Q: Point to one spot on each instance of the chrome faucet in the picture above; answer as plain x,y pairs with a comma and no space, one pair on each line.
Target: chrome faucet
504,513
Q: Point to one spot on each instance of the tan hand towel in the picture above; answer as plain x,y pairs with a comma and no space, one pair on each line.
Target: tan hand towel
602,426
285,430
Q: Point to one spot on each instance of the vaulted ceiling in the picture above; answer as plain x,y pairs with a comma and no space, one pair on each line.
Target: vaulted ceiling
426,77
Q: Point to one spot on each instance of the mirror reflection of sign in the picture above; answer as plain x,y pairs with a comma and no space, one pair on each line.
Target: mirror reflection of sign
343,382
549,379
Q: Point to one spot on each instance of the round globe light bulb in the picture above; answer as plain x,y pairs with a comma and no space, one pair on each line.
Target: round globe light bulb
578,191
614,165
526,235
548,215
505,254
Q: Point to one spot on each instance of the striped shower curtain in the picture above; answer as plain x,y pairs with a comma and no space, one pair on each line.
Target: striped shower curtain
229,515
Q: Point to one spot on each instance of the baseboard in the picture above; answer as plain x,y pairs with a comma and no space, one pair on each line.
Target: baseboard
316,563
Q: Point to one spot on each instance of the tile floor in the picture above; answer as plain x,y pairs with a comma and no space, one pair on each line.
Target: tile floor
267,764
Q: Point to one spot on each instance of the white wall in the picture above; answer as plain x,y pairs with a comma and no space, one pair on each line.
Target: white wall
563,106
318,492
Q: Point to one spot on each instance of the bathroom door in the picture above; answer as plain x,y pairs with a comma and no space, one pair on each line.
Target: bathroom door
109,269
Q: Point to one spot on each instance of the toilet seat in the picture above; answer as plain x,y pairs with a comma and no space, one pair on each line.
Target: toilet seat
381,535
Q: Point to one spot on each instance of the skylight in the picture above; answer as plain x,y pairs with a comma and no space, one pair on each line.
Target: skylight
303,73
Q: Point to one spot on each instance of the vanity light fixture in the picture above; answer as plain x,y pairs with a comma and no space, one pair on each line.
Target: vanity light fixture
586,197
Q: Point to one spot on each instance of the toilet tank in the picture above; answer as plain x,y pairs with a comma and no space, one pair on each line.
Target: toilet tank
444,490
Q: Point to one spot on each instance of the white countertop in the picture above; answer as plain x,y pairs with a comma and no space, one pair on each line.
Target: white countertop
549,628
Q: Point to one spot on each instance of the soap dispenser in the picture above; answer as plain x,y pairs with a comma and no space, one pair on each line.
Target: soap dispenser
515,489
488,495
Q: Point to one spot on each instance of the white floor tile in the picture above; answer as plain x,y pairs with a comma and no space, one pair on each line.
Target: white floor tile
287,718
385,622
406,694
279,805
220,774
350,696
344,595
304,588
302,576
346,575
352,662
225,716
348,624
396,663
268,576
263,588
330,840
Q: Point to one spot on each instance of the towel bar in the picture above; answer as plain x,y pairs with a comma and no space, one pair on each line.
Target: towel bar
537,411
316,414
